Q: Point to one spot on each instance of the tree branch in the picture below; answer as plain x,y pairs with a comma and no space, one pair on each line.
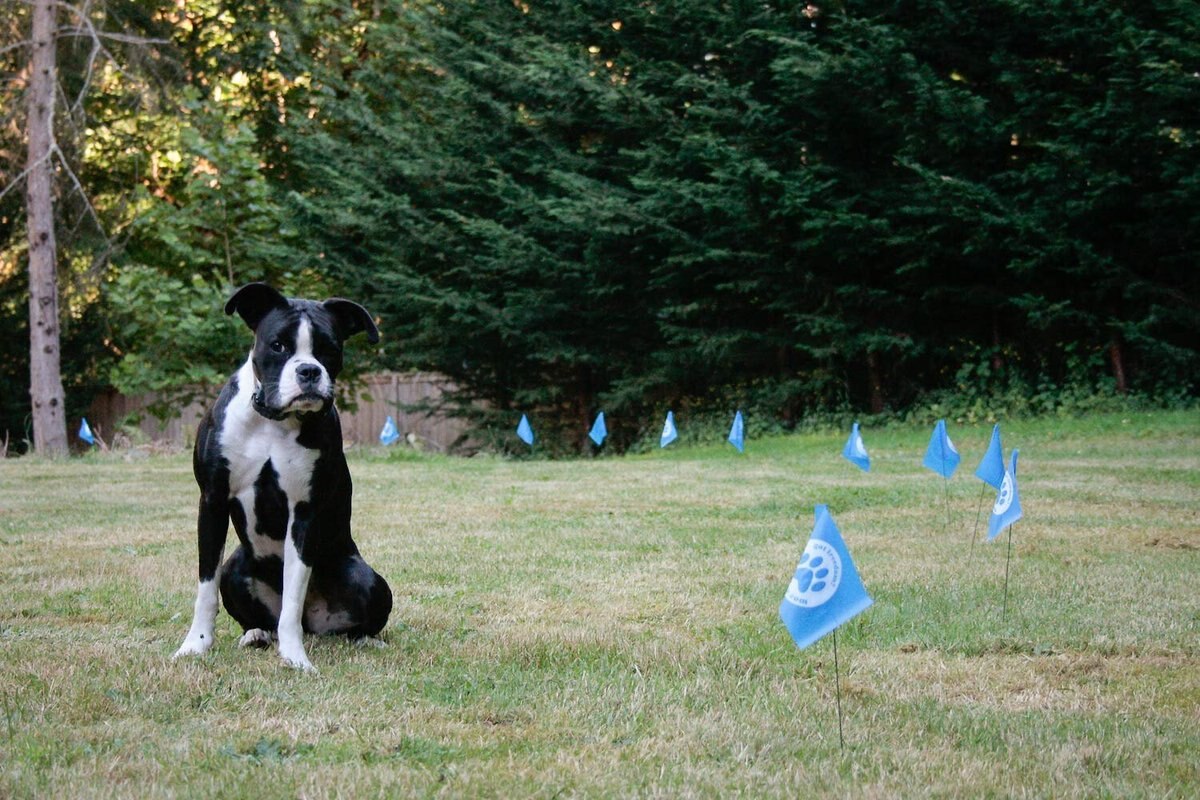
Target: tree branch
15,46
62,159
24,174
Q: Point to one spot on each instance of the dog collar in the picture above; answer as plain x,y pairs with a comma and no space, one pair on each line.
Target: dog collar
276,415
265,410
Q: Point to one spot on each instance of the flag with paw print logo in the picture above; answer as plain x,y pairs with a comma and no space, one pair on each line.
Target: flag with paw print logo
1007,509
826,590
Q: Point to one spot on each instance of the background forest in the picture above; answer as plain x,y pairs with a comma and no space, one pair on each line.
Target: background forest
796,209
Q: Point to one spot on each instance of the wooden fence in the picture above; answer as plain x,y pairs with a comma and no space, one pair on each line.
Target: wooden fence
381,394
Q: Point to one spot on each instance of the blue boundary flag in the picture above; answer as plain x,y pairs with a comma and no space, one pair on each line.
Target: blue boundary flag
524,431
1007,509
669,433
855,451
390,433
991,466
737,434
599,430
941,455
825,591
85,432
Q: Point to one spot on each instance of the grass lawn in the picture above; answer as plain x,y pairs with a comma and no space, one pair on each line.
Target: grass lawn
608,628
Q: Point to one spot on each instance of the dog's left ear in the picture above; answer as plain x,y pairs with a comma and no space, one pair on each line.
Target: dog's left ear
352,318
254,301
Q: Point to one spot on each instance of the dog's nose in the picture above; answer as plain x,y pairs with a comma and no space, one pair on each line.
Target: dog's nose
308,373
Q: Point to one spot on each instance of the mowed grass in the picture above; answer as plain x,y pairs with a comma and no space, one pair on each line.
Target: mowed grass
607,628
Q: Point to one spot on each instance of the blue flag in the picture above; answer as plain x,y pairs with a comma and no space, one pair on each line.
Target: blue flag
1007,509
669,433
941,456
599,430
991,466
826,590
85,432
389,434
737,434
855,451
524,432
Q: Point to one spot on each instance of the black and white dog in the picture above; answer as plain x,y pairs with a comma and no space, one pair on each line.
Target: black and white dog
269,456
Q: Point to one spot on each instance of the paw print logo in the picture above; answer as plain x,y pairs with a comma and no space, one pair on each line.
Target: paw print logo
1004,497
817,575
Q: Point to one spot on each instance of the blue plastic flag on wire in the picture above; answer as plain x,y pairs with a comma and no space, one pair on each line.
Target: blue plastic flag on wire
737,434
826,590
524,432
991,466
855,451
941,455
1007,509
599,430
669,434
85,432
390,434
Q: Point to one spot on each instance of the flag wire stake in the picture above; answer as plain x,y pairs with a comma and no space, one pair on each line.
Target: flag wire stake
978,511
837,682
946,485
1007,560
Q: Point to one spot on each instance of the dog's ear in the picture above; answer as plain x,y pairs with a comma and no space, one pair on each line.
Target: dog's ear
352,318
254,301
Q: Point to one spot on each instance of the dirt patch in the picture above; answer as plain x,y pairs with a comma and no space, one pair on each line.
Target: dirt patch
1189,540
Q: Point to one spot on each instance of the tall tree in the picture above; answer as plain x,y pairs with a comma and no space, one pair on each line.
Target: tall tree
45,377
76,116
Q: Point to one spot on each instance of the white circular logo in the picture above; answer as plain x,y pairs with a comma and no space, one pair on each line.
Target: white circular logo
1005,497
817,576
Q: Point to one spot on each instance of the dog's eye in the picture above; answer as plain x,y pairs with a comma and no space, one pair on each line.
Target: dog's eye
277,346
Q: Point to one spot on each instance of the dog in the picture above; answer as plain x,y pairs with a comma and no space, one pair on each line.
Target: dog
268,456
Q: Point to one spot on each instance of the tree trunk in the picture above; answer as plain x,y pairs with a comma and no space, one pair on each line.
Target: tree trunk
875,379
45,378
1116,357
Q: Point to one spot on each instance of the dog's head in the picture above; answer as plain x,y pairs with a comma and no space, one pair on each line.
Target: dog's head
297,351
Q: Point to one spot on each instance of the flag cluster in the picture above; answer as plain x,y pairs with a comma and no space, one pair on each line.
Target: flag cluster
825,591
942,457
599,431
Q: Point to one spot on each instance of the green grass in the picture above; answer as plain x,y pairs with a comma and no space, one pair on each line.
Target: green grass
607,627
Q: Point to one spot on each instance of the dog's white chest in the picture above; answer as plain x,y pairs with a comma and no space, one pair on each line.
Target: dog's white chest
274,443
249,442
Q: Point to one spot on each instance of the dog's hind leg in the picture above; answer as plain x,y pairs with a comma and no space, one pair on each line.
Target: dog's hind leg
348,598
250,599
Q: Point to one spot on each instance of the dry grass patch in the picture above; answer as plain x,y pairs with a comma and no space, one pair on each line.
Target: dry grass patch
607,627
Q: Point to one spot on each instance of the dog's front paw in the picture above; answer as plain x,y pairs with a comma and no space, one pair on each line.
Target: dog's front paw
194,645
295,657
301,663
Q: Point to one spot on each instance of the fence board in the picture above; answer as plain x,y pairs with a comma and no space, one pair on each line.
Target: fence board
381,395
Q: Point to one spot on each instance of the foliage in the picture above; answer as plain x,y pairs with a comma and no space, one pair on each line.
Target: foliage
568,208
565,207
185,345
